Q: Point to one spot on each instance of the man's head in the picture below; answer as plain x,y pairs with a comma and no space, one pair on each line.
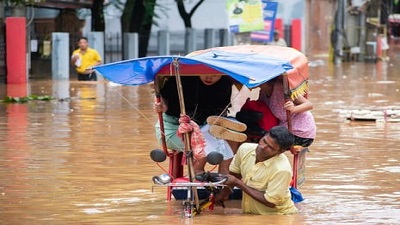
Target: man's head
210,79
83,43
276,141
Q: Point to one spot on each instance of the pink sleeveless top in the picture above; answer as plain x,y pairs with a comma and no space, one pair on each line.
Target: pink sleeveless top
303,124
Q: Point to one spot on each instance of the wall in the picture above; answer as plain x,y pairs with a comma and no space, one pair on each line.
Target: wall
319,22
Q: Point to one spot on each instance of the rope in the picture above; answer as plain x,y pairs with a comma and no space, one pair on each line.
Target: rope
197,141
138,110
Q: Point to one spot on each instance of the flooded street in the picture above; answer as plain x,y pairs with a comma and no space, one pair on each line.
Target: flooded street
84,158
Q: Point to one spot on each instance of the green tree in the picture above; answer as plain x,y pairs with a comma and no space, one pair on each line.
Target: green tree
187,16
137,17
98,23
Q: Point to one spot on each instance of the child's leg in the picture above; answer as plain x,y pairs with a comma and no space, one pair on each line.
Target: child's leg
171,125
199,165
223,167
304,142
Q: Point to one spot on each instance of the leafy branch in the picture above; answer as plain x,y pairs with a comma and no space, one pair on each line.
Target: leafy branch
26,99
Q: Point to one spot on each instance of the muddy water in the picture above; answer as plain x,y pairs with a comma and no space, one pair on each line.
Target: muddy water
84,159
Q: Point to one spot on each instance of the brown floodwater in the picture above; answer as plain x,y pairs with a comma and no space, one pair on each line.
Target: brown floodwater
84,158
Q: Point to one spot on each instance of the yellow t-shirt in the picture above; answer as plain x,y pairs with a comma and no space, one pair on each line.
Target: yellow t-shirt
272,176
87,60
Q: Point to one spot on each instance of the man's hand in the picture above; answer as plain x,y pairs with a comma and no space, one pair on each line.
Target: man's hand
223,196
231,181
74,58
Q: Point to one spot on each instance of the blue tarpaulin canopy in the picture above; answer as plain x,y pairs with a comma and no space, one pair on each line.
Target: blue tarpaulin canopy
251,68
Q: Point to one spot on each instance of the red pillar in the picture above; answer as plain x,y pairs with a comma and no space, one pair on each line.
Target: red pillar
296,34
17,90
279,27
16,50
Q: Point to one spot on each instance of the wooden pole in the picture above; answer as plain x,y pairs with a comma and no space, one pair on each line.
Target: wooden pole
186,137
286,90
157,88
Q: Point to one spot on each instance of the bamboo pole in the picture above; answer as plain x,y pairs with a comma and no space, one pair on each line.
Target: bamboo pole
186,137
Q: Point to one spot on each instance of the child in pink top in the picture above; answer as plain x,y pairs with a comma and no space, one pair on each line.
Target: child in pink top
302,120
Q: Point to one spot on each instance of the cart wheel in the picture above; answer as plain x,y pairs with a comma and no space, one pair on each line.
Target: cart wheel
158,155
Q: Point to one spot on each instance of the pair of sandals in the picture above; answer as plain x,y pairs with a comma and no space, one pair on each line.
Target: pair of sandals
227,128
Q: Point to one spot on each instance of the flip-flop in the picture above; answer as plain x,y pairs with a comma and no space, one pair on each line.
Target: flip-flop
231,124
227,134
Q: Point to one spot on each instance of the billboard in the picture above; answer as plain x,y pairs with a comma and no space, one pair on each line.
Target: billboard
269,14
245,15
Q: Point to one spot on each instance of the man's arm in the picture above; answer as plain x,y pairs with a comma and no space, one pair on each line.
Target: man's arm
223,196
97,63
98,59
255,194
74,58
235,180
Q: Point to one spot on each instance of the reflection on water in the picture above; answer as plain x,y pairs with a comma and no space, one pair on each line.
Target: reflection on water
84,159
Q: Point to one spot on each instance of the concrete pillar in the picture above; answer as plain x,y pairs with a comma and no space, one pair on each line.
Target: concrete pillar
190,40
130,45
362,36
339,26
163,40
61,89
60,57
225,37
209,38
96,41
16,50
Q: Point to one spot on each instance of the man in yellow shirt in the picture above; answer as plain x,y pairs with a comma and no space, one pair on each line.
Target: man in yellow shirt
84,58
264,174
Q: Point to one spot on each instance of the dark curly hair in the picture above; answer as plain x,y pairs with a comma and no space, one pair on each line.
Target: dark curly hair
282,136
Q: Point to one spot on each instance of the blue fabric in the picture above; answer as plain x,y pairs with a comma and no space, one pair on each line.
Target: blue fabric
249,69
296,195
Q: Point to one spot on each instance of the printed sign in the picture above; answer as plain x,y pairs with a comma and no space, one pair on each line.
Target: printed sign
269,13
245,15
301,168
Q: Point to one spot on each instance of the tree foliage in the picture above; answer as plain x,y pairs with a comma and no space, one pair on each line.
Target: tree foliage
137,17
98,23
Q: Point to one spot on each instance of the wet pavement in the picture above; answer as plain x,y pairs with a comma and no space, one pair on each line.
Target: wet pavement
84,158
